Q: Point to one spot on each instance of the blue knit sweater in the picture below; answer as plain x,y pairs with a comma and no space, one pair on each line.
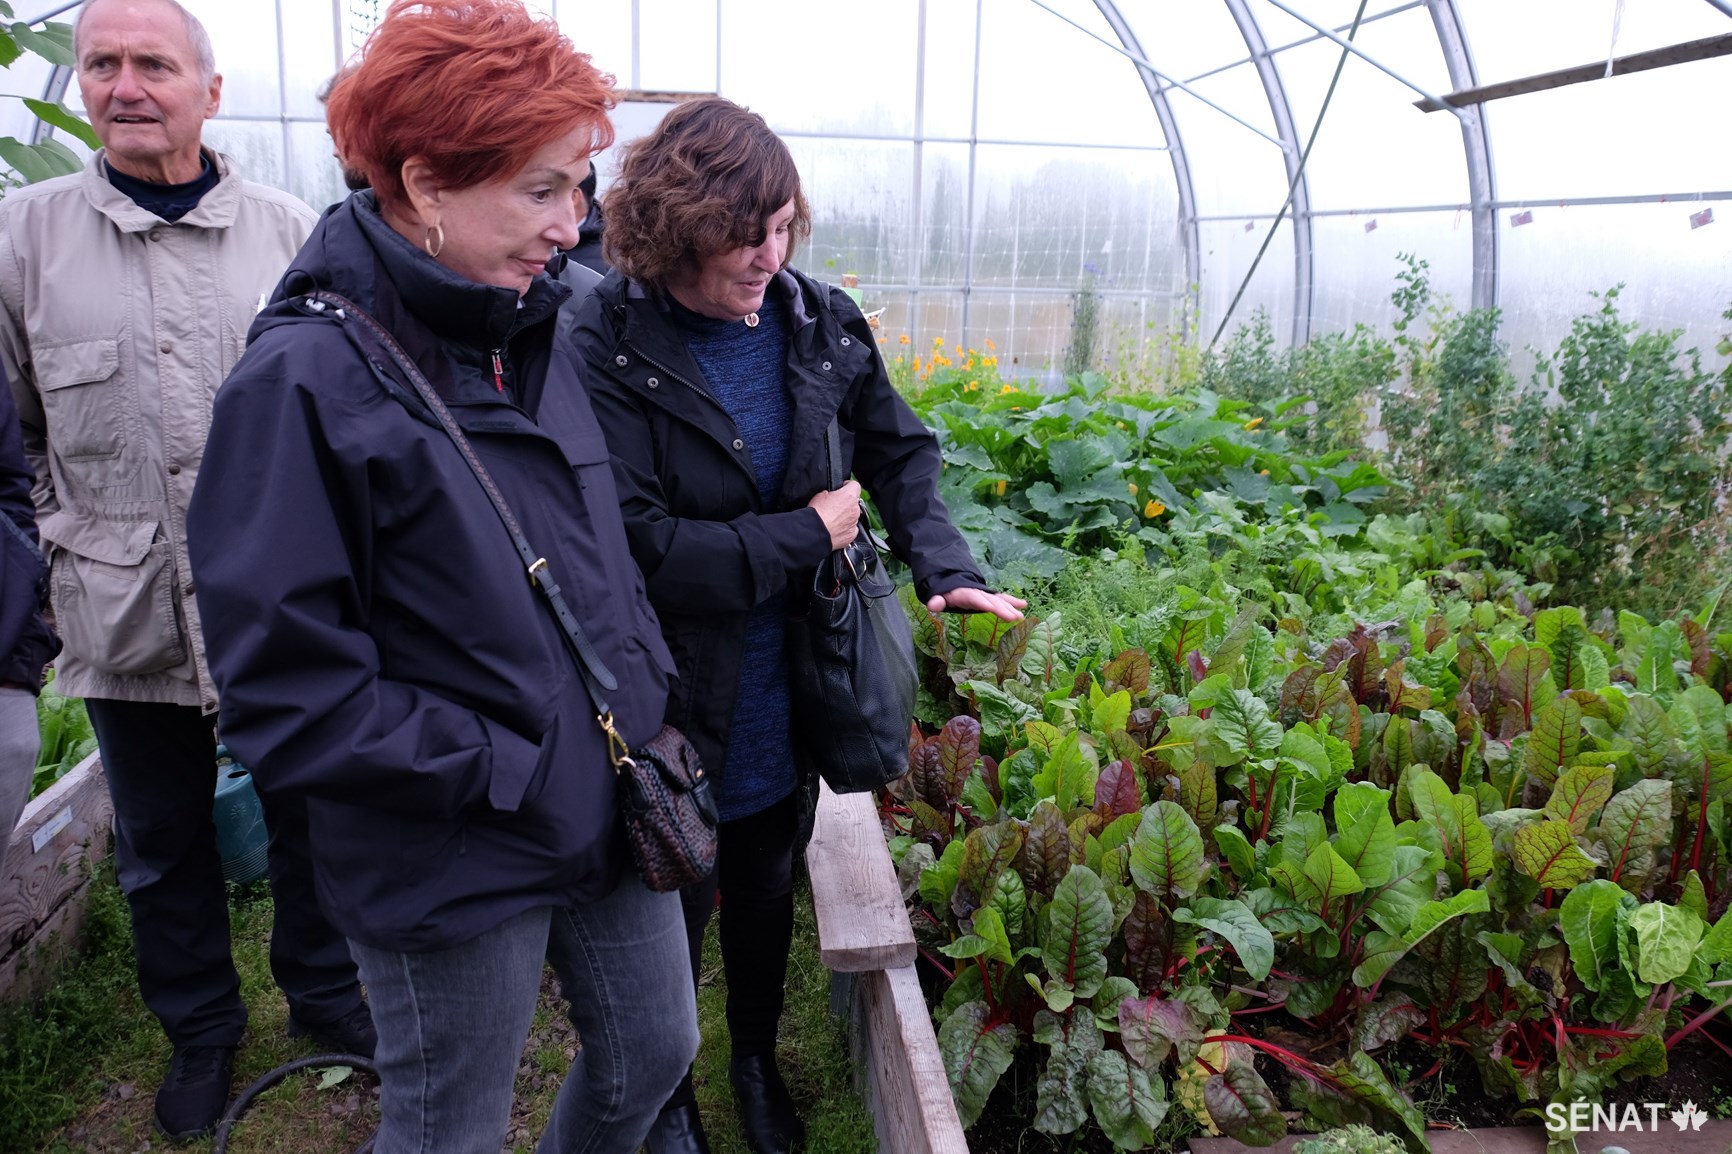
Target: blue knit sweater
745,369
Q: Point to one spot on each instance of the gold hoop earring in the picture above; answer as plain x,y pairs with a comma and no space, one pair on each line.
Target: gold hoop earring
434,241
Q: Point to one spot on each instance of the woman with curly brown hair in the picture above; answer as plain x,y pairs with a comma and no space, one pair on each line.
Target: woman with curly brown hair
378,647
716,370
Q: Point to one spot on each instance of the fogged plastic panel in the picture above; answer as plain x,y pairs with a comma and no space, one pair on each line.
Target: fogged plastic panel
1357,259
603,31
1233,169
944,213
255,147
1649,132
1227,251
854,75
859,191
677,44
1043,80
1183,40
309,57
313,174
1047,218
244,39
1675,275
1375,148
949,105
1512,40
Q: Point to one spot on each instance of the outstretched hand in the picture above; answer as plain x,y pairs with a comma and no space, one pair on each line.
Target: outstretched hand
1001,605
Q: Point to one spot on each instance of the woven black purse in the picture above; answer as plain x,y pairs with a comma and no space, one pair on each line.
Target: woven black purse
670,814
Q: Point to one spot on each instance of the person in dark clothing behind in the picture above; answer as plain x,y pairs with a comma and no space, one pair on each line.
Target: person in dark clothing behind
378,647
588,249
715,369
27,644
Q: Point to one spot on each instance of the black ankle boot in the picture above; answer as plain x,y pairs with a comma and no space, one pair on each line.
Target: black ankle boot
767,1113
677,1130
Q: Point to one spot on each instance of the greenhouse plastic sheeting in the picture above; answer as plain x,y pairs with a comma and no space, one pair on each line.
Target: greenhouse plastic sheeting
984,166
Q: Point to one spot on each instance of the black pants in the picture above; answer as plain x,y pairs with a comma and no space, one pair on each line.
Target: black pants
160,761
754,875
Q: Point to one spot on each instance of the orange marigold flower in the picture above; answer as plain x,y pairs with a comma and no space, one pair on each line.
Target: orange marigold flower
903,339
1003,389
990,346
970,386
937,342
1154,509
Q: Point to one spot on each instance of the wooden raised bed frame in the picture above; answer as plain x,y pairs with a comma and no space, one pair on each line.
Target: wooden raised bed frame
863,932
45,878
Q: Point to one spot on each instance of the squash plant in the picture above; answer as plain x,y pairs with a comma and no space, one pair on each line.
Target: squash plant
1482,828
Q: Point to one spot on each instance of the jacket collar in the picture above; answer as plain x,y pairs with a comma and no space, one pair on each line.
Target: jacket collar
352,247
216,209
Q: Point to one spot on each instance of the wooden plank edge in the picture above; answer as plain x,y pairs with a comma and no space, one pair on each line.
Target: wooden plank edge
56,796
862,920
906,1086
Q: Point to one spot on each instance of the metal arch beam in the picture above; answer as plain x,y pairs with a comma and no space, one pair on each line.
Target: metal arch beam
1303,263
1189,229
1476,141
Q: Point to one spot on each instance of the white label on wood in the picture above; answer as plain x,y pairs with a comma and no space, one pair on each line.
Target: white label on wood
46,833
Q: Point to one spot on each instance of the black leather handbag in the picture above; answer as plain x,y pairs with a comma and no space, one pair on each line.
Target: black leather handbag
664,796
852,678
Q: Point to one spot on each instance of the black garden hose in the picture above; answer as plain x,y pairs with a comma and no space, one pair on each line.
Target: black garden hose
272,1077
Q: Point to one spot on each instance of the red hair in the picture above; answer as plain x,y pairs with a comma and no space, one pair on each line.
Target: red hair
473,87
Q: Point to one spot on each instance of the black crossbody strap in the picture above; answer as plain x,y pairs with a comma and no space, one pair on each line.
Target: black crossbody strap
367,331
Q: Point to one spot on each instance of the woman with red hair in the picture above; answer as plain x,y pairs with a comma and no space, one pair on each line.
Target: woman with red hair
376,643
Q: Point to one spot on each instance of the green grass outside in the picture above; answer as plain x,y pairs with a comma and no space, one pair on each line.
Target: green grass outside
78,1071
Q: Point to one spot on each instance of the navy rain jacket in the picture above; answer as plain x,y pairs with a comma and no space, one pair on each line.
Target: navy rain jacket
375,641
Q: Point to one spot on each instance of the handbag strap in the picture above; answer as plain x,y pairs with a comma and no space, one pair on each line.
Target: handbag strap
366,331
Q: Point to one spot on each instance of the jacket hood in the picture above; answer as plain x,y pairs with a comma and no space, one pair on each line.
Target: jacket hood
355,253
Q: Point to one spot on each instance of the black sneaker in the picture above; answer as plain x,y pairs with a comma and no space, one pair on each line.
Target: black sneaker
352,1033
196,1091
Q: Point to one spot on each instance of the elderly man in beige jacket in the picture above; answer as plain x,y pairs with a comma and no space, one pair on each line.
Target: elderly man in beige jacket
127,290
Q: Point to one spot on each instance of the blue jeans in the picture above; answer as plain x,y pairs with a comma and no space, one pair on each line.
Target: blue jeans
452,1025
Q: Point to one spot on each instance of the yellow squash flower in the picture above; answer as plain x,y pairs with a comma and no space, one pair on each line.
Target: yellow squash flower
1133,488
999,488
1153,509
1253,422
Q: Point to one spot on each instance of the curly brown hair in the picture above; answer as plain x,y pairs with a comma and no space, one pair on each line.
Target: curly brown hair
704,182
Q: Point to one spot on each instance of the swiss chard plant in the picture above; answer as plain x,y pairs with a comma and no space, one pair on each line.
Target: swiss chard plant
1468,825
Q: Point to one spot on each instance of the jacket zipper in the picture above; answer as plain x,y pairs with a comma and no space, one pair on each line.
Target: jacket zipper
498,373
651,360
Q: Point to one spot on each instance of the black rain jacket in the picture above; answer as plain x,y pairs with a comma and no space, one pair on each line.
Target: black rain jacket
26,642
709,548
375,641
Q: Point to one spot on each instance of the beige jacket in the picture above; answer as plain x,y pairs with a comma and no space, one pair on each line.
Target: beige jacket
116,330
